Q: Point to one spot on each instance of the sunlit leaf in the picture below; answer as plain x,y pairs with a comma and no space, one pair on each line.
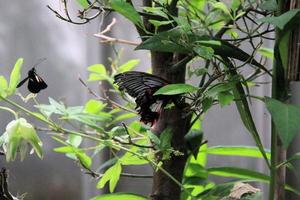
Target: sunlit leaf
129,65
173,89
15,76
120,196
112,175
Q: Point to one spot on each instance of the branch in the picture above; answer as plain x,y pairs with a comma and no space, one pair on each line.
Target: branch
104,98
107,39
4,193
130,142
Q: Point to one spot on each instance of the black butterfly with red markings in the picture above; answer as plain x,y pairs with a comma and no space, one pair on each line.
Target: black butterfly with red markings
142,86
35,82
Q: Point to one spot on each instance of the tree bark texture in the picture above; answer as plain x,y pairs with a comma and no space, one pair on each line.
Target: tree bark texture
163,187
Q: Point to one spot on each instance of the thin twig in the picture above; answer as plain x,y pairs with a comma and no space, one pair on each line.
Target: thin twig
107,39
105,98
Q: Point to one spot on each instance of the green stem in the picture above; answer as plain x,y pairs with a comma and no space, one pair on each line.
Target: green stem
9,110
56,128
273,170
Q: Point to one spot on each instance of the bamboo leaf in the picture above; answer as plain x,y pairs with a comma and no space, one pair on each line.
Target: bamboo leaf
245,151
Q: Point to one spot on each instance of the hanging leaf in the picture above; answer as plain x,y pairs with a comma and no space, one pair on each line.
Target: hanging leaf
286,118
281,21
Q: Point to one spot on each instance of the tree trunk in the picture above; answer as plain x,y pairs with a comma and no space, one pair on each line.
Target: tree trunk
163,187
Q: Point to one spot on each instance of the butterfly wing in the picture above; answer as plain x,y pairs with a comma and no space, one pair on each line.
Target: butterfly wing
22,82
137,83
36,83
142,86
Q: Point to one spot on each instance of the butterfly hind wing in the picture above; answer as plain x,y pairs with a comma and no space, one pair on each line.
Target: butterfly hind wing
33,86
36,84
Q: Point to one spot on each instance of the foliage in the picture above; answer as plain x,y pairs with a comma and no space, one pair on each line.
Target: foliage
209,35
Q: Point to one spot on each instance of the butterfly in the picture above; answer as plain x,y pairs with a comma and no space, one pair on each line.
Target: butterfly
35,82
142,86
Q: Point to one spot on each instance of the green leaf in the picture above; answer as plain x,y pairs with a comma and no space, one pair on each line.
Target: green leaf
222,6
74,140
214,90
270,5
3,86
284,49
225,98
207,103
237,172
129,158
84,159
165,139
123,117
158,23
94,106
129,65
15,76
83,3
168,41
157,11
286,118
282,20
127,10
165,143
235,4
119,196
112,175
245,151
204,52
267,52
218,191
98,73
193,140
173,89
243,107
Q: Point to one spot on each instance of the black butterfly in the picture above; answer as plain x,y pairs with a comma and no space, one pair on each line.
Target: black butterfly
35,82
142,86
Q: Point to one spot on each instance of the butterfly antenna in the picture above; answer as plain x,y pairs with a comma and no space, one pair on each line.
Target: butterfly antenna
39,61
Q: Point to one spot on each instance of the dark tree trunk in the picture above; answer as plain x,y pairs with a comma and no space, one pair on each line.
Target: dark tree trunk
163,187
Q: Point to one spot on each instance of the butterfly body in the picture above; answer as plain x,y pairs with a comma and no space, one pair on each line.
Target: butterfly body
35,82
142,86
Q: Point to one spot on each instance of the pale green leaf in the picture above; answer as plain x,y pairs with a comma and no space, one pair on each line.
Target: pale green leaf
15,76
129,65
244,151
120,196
173,89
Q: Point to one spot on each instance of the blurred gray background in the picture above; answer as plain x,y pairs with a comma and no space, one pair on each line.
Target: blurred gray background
29,30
